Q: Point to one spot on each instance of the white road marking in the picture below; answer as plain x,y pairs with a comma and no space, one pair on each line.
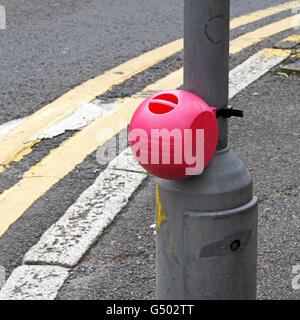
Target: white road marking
252,69
72,235
81,117
34,283
65,242
87,112
9,126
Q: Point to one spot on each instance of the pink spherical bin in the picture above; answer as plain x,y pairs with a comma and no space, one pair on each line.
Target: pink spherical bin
165,135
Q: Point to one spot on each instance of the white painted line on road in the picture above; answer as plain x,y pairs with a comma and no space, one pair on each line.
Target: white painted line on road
87,112
81,117
68,239
34,283
253,68
9,126
65,243
78,119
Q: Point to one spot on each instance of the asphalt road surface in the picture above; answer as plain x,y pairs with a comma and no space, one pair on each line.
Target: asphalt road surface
49,47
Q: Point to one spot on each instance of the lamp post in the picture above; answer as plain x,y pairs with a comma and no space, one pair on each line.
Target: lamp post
206,244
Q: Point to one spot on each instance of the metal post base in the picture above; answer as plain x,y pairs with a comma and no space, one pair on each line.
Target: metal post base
207,233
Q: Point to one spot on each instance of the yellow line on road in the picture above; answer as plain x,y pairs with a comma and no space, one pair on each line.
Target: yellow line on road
62,160
251,38
289,42
270,52
261,14
293,38
19,141
36,124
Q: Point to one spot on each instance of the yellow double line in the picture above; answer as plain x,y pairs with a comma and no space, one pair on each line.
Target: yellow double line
62,160
19,141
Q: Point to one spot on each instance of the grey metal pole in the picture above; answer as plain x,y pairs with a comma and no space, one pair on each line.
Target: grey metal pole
206,54
206,244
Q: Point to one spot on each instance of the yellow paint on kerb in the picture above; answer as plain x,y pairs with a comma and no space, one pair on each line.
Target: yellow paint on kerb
62,160
161,217
16,141
251,38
